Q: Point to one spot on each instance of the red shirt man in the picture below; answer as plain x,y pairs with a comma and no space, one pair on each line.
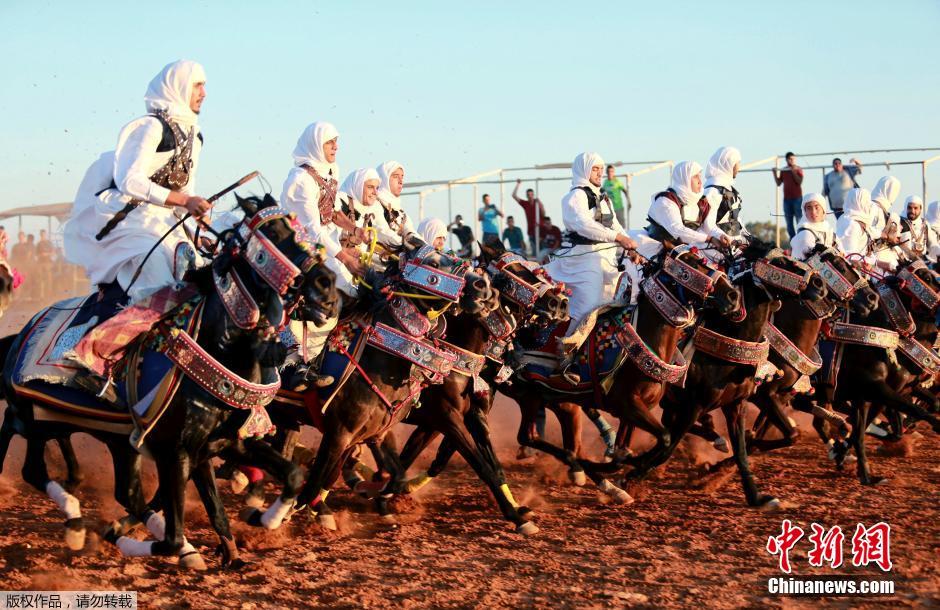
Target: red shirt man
532,207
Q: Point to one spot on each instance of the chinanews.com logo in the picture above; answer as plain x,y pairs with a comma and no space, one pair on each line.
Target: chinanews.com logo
869,545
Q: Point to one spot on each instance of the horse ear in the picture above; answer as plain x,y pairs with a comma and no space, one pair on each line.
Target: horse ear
247,205
269,201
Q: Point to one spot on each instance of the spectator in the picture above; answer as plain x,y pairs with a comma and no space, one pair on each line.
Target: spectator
513,235
613,187
464,234
488,214
534,212
838,182
45,252
791,178
551,238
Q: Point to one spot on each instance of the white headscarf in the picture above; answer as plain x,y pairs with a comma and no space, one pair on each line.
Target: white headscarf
355,183
932,215
309,149
172,88
886,192
432,228
385,172
581,170
856,206
817,227
681,182
719,170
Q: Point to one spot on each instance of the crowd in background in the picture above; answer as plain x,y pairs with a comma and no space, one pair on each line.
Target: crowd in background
836,184
46,275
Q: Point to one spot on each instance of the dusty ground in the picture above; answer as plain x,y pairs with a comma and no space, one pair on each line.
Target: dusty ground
686,541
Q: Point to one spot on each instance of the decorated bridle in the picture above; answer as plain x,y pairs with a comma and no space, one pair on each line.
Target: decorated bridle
275,268
917,287
782,279
676,310
838,284
519,290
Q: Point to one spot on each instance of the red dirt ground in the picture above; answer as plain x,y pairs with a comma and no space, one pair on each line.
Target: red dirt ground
687,541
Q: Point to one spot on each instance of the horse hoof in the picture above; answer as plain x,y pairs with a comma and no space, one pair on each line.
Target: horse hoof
254,501
525,512
577,477
239,482
875,481
192,561
327,522
770,505
389,518
527,529
251,516
75,538
418,482
620,496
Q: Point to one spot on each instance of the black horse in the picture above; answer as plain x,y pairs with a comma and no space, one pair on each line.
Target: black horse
269,256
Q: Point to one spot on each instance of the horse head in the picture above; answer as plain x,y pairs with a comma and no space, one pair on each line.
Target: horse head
526,287
280,252
698,274
844,280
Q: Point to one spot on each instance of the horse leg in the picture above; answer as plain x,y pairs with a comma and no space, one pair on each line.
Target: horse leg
36,474
333,452
735,417
569,419
128,490
419,440
528,436
291,477
857,439
74,469
459,437
7,431
884,395
771,408
204,480
173,469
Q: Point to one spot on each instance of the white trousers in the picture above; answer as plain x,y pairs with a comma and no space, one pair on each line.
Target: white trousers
590,271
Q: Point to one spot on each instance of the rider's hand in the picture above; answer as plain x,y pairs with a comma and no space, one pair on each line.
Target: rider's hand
197,206
351,261
884,265
722,241
625,242
361,235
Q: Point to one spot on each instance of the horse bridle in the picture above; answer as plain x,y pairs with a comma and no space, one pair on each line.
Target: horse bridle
840,285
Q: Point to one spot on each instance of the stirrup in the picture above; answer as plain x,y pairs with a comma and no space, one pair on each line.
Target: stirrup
570,376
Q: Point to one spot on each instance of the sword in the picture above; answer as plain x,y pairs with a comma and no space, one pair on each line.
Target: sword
130,206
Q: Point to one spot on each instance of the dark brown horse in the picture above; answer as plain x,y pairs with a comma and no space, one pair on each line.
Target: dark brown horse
801,324
529,298
723,377
196,423
383,388
676,282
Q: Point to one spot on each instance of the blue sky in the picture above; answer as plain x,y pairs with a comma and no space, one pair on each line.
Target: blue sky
454,89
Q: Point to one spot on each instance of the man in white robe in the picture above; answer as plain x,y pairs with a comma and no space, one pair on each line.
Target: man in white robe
854,234
918,239
153,166
884,222
392,176
814,228
587,259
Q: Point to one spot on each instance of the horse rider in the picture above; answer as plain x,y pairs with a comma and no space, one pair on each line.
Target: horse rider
884,222
918,239
310,192
854,234
813,229
150,179
724,199
681,214
392,176
587,258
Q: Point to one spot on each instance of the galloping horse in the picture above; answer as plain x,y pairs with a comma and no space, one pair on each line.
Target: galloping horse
644,360
222,347
388,354
728,354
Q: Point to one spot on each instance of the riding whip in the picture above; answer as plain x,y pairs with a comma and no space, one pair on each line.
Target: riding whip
131,205
202,223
